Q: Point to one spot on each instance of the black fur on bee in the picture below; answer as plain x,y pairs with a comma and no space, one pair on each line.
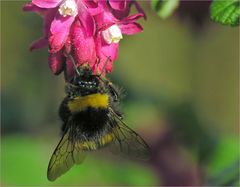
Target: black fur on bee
92,120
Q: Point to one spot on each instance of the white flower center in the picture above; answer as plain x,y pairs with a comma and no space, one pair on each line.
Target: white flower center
112,34
68,8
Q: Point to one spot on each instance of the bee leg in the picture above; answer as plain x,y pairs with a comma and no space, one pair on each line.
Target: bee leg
113,92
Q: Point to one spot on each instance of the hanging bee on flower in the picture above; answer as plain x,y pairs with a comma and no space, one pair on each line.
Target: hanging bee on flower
91,120
89,31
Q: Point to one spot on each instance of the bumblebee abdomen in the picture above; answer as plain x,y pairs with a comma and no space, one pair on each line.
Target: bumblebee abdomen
91,121
82,103
97,142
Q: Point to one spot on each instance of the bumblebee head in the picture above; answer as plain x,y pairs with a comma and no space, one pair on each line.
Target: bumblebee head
85,82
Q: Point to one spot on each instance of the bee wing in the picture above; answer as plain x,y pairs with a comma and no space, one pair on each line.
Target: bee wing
67,153
128,143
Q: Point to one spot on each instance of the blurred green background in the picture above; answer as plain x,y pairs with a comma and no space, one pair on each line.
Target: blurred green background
181,79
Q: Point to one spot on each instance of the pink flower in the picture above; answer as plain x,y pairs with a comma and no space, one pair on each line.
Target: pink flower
84,31
110,31
63,13
59,16
82,47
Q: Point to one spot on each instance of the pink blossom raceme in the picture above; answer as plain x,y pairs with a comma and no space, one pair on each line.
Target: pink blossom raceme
63,13
84,31
58,17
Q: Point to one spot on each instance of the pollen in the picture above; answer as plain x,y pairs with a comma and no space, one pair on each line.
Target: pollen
68,8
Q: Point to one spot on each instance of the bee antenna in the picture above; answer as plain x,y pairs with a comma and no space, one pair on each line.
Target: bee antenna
105,65
74,64
98,62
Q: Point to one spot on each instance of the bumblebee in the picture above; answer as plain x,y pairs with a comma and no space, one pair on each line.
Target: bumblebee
91,120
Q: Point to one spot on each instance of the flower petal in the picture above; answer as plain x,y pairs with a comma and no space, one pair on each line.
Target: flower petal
83,47
105,20
46,3
139,9
122,13
131,28
43,42
118,4
132,18
56,62
59,32
110,51
104,66
40,43
48,19
91,3
86,19
69,71
94,7
106,54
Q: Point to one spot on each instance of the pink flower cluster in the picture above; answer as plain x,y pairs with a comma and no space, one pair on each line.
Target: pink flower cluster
87,31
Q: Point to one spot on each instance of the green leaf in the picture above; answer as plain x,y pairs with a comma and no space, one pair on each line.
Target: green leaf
164,8
223,168
226,12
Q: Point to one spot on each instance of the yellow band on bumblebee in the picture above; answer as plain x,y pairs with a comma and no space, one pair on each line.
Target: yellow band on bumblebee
94,145
81,103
